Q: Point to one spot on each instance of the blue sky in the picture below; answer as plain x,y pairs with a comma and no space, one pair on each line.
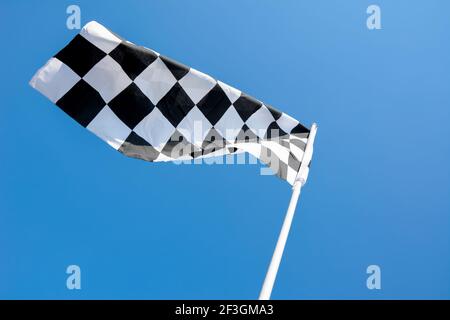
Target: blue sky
378,192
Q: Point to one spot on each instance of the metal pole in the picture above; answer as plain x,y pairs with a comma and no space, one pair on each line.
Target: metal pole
271,275
282,238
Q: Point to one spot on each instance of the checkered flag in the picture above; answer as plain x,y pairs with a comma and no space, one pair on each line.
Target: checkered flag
151,107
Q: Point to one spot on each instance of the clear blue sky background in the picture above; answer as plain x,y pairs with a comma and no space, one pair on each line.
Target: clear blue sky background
378,192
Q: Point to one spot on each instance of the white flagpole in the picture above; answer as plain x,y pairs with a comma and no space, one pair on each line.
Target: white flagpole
302,175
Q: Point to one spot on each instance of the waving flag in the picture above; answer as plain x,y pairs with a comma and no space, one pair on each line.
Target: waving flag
151,107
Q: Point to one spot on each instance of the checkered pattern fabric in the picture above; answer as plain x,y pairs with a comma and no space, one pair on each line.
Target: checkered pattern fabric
151,107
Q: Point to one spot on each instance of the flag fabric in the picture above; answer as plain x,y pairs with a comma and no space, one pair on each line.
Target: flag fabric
151,107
